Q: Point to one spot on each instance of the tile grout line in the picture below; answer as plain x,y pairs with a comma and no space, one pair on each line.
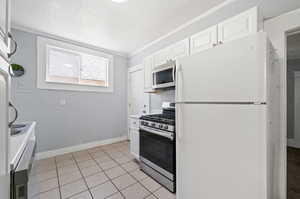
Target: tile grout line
151,192
108,176
57,178
74,180
101,149
119,164
127,172
38,182
83,176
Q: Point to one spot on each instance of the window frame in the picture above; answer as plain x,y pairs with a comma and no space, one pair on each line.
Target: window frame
43,45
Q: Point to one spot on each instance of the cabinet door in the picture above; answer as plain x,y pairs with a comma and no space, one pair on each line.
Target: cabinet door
4,26
238,26
148,66
161,57
180,49
135,143
204,40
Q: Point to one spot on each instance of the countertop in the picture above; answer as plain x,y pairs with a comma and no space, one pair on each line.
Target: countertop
18,142
137,116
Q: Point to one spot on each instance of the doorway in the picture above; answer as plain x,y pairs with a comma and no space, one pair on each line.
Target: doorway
293,115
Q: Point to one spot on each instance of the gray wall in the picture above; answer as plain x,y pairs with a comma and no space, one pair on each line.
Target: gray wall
267,9
86,116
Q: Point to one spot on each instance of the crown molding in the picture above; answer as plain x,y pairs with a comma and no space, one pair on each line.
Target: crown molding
181,27
63,39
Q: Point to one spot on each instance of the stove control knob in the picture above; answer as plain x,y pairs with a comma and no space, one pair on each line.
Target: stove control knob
166,127
153,124
160,126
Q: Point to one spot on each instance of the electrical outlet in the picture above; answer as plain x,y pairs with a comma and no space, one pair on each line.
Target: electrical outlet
62,102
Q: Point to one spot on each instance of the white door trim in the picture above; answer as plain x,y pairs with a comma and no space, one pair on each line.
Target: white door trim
277,29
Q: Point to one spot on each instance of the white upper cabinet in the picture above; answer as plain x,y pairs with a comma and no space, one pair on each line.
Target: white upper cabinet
228,30
231,29
148,66
179,49
204,40
161,57
238,26
4,27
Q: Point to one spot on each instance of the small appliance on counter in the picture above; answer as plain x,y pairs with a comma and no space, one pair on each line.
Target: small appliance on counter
158,146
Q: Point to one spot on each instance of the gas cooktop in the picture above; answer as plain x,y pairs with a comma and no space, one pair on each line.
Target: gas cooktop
159,118
167,117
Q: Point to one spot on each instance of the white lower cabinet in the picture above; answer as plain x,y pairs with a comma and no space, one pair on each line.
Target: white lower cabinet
135,143
134,136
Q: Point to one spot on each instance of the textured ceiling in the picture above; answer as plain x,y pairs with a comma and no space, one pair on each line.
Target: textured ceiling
120,27
123,27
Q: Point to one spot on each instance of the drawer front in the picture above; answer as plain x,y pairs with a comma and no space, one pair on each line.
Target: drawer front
134,123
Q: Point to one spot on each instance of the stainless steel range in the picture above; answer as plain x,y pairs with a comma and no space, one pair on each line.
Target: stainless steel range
158,146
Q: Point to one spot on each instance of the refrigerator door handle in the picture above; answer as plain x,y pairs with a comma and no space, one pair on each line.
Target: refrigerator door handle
179,121
178,84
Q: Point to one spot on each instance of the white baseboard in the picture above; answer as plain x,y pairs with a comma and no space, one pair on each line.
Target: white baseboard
52,153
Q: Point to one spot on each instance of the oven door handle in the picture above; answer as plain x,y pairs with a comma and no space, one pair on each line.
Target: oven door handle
158,132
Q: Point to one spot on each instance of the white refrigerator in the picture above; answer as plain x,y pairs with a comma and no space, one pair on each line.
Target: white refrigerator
4,131
224,101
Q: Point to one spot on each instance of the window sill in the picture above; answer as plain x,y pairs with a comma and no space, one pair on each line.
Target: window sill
75,88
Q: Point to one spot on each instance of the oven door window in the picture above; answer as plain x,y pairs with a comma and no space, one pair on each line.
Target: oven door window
163,77
158,150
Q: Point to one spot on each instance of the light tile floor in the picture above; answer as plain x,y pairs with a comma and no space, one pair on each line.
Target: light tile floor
104,172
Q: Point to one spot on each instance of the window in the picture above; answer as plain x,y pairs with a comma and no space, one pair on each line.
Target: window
68,67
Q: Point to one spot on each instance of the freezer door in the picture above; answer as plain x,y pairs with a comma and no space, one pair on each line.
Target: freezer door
231,72
221,151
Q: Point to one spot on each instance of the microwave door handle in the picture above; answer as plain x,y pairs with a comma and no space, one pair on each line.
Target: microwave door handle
153,79
173,74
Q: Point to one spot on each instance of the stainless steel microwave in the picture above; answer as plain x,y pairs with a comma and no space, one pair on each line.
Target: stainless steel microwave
163,76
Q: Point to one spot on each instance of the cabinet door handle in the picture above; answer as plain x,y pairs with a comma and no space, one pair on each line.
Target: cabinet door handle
15,45
16,115
220,42
179,121
178,82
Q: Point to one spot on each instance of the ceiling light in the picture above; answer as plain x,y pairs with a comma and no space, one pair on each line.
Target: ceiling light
119,1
